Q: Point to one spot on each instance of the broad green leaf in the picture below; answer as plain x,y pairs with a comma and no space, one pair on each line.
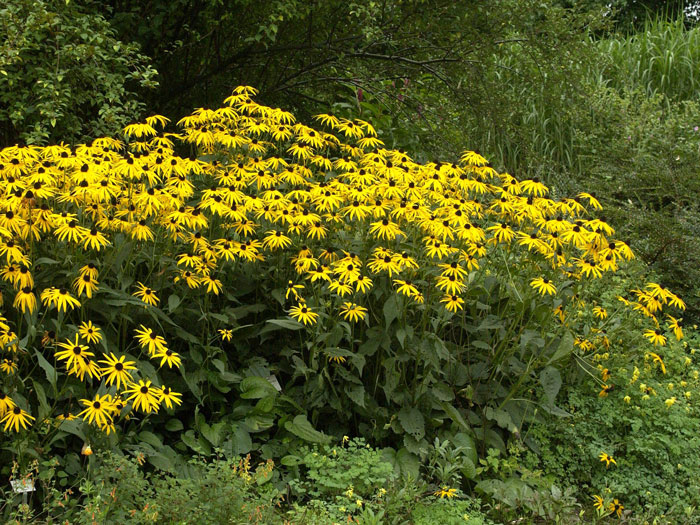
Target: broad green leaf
301,428
550,379
255,387
174,425
173,302
412,421
356,393
408,464
150,438
49,370
566,346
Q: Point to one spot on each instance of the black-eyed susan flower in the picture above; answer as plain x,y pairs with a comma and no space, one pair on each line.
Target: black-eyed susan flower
406,288
168,396
144,396
615,507
655,336
91,333
25,300
59,298
275,239
212,284
605,390
6,403
16,417
72,353
674,324
146,294
293,290
150,341
607,459
86,285
353,312
116,370
95,240
226,334
303,314
446,492
600,312
656,359
98,410
598,502
543,286
363,283
453,303
168,357
9,366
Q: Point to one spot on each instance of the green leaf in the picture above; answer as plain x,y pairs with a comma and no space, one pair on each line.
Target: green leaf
467,444
550,379
412,421
256,387
456,416
162,462
51,374
281,324
357,394
174,425
501,417
242,443
301,428
173,302
566,346
150,438
408,464
291,461
41,397
391,309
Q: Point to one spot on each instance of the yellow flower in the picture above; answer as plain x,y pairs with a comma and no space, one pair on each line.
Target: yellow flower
145,397
169,397
91,333
15,417
600,313
616,508
98,410
670,402
657,359
674,324
655,336
543,286
226,334
353,312
303,314
146,294
117,370
607,459
73,353
60,298
446,492
453,302
148,339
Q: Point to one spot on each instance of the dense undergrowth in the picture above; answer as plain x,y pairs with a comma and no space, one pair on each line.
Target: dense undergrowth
246,284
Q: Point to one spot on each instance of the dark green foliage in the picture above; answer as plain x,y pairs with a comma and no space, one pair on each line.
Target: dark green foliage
64,75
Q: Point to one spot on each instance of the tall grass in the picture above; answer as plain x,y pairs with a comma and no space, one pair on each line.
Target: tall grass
660,60
663,58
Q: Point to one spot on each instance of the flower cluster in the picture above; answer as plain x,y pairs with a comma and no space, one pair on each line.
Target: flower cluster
264,190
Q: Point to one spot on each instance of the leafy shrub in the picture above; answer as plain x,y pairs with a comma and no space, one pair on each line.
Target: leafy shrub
638,404
353,467
64,75
283,279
